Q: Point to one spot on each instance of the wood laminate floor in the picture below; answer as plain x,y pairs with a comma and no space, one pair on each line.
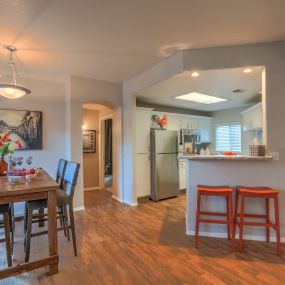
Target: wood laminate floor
118,244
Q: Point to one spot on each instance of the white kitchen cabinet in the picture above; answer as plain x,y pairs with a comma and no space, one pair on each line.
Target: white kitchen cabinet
252,118
142,181
143,119
182,174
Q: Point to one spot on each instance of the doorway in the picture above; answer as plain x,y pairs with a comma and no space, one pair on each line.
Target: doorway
107,142
98,166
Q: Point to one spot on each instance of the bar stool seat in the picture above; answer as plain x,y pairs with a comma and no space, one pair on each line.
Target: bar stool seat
214,189
223,191
257,192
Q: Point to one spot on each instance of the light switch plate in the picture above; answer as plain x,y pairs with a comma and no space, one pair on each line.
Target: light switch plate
275,155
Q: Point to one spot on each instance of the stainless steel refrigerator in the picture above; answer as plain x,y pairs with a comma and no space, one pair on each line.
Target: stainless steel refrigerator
163,164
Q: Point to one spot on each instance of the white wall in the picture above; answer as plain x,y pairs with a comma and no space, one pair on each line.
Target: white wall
84,90
269,55
48,97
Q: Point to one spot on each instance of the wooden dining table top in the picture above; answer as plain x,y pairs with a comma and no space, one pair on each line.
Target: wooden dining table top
40,183
41,186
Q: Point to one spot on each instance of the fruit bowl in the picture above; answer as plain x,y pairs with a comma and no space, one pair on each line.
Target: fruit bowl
16,176
229,153
13,179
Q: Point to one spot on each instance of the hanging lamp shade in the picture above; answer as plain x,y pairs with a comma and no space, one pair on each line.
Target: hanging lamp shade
11,89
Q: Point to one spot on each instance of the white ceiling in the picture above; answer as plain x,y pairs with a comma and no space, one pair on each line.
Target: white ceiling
115,40
219,83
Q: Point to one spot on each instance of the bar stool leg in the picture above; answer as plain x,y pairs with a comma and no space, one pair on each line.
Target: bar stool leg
277,224
197,220
228,217
267,219
236,211
241,223
232,221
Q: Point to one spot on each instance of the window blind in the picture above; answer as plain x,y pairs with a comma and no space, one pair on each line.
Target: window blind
228,138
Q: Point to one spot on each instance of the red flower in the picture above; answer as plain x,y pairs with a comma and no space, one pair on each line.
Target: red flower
18,144
6,139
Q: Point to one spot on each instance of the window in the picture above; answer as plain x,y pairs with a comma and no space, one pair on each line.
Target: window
228,138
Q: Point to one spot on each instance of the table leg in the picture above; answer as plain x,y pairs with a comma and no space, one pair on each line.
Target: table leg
52,230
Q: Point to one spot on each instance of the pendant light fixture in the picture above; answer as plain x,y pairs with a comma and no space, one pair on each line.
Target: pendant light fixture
11,89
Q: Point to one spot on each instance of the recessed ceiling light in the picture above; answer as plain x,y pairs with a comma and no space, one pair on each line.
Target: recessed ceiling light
200,98
195,74
247,70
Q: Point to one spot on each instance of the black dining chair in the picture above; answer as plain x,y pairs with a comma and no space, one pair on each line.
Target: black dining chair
62,163
7,225
64,205
61,166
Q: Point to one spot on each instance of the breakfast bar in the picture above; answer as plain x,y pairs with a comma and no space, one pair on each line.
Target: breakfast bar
226,170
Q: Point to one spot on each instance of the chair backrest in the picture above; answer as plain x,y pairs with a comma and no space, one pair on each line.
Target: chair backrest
61,167
70,178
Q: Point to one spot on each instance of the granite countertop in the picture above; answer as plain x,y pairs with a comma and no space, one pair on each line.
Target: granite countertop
223,157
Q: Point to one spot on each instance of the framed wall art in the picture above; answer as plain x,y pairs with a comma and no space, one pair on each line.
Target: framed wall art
25,126
89,141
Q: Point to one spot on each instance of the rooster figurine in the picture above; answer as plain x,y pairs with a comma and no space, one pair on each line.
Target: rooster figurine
162,122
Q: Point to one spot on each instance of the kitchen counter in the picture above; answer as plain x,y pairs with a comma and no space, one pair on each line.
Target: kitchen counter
225,170
223,157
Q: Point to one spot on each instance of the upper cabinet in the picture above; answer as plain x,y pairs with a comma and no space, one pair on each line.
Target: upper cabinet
252,118
143,120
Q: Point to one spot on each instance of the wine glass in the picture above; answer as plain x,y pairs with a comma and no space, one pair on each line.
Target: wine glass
29,160
14,161
20,160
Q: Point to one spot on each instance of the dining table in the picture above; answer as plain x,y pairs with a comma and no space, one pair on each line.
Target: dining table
42,186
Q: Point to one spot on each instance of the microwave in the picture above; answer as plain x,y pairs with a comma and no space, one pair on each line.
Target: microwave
190,136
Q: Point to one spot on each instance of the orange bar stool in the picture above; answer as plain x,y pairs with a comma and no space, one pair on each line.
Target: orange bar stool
257,192
223,191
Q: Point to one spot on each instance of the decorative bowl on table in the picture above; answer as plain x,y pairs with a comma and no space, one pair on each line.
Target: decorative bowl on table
15,177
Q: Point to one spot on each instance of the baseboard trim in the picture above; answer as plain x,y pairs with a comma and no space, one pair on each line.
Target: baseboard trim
117,198
80,208
91,188
143,196
225,235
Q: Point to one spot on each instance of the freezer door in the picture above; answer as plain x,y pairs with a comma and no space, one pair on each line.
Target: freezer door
167,178
166,141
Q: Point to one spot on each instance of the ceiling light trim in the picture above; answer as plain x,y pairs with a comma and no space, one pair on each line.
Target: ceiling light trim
200,98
